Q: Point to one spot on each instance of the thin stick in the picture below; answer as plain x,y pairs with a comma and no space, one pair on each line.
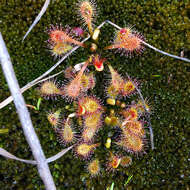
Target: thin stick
59,155
8,155
43,10
24,117
113,24
165,53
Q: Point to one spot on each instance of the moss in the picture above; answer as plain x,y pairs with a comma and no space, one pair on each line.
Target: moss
165,24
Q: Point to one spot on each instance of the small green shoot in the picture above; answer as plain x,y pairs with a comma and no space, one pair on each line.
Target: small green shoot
128,180
38,104
2,131
37,107
156,76
112,186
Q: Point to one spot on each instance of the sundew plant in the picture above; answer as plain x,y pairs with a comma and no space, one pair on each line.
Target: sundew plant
99,106
122,123
118,122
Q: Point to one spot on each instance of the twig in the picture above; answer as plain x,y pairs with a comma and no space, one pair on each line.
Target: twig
165,53
59,155
113,24
43,10
6,154
24,117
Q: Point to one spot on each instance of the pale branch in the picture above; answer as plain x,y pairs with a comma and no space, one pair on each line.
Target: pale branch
165,53
8,155
113,24
59,155
24,117
43,10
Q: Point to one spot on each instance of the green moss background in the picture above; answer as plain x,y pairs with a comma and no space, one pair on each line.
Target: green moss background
166,25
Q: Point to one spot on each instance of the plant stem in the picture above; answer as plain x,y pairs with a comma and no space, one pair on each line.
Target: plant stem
43,10
24,117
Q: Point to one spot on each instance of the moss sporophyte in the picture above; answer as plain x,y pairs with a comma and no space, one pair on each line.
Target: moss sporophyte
122,125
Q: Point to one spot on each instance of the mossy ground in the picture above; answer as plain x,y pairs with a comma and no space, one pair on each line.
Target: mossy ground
166,25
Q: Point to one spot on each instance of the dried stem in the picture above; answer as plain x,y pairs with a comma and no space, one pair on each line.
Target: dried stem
165,53
6,154
24,117
43,10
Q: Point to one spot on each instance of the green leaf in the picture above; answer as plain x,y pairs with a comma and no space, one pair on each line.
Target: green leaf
156,75
38,103
112,186
4,131
129,178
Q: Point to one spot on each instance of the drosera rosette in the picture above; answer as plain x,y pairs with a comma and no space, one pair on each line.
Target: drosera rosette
128,42
59,35
50,89
54,118
92,123
93,167
124,130
88,81
131,142
73,89
84,150
66,133
88,105
87,11
126,161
